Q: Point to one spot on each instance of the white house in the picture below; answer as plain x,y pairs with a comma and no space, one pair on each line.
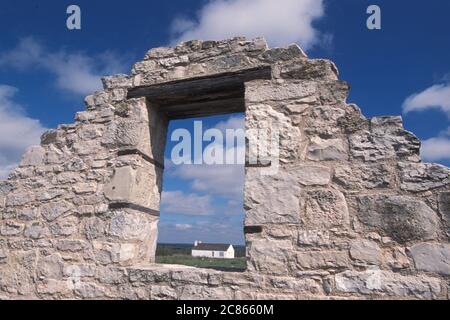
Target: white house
213,250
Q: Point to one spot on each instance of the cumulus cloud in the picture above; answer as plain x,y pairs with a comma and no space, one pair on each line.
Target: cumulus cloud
436,96
75,72
191,204
183,226
17,130
225,180
222,180
437,148
281,22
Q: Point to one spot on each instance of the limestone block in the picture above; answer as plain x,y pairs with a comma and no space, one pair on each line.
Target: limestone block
264,90
312,175
444,208
402,218
317,69
432,257
327,149
271,198
361,176
383,121
322,260
121,253
116,81
64,226
194,292
11,228
50,267
384,143
70,245
53,210
283,54
326,208
139,186
397,259
386,283
313,238
111,275
329,121
88,290
366,251
417,177
33,156
19,197
129,225
163,293
271,123
269,256
36,230
54,287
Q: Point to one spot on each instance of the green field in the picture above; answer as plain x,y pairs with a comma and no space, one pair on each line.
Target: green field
181,254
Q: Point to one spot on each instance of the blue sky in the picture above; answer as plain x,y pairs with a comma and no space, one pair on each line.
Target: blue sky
46,70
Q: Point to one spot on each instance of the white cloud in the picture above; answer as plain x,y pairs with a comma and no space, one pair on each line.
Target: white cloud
437,96
183,226
74,71
437,148
223,180
281,22
190,204
17,131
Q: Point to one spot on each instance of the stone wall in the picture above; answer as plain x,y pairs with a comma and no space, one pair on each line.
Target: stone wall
352,212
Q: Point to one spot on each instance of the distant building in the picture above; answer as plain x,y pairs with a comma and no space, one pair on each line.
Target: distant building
213,250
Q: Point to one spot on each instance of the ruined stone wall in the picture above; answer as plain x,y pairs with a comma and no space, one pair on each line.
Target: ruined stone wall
352,212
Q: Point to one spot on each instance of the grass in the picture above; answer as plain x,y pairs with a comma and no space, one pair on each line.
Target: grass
236,264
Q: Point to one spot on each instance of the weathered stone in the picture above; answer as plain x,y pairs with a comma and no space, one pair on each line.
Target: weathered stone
130,225
65,226
392,121
194,292
326,208
397,259
54,210
262,207
269,257
357,177
11,228
418,177
70,245
444,208
384,143
386,283
36,230
19,198
50,267
400,217
432,257
132,186
313,238
322,260
116,81
34,156
366,251
163,293
83,188
327,149
310,175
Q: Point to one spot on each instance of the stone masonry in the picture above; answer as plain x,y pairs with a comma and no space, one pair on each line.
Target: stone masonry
353,213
